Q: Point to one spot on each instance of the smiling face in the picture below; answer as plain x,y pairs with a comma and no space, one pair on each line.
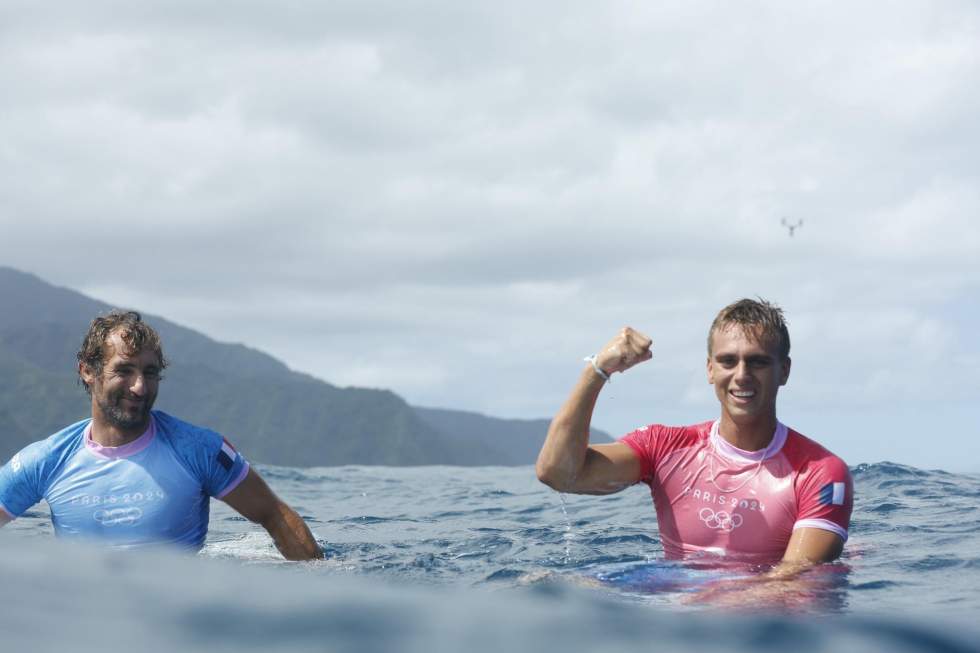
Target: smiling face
124,391
746,373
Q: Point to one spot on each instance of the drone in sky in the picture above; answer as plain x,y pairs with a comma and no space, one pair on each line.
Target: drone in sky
792,226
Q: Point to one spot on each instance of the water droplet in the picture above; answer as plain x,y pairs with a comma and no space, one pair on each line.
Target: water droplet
569,535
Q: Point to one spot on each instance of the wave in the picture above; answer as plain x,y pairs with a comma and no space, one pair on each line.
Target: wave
156,601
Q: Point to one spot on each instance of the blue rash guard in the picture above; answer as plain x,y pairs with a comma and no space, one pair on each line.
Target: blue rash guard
153,490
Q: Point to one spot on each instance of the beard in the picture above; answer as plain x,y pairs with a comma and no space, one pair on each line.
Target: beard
122,418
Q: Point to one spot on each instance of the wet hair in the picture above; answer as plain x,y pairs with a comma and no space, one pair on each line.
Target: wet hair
135,333
757,318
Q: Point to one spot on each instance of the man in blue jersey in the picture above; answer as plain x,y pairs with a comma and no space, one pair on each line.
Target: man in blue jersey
132,476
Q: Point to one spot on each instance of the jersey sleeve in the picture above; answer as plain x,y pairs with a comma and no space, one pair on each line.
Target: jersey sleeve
20,483
825,496
647,443
641,442
218,466
652,444
228,468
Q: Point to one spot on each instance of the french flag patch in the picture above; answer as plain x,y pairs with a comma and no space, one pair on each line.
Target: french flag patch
227,454
832,494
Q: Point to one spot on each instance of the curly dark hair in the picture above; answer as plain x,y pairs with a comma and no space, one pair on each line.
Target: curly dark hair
757,317
137,334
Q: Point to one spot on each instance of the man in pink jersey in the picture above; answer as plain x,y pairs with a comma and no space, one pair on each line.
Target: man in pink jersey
743,485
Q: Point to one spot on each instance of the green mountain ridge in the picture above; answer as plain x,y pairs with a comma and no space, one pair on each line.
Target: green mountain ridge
273,414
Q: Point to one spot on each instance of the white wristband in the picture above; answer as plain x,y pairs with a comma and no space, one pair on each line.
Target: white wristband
598,370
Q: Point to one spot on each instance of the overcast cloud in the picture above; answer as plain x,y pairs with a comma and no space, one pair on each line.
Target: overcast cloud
458,201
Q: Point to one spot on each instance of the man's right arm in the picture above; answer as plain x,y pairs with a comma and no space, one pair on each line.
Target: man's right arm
567,463
18,486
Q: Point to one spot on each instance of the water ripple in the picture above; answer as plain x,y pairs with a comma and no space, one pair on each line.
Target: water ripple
914,536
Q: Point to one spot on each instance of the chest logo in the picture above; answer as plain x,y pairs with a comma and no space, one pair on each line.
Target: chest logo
118,516
721,520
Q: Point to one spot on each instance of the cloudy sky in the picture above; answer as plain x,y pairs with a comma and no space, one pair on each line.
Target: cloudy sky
458,201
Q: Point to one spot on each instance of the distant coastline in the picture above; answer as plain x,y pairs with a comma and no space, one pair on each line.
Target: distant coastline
273,414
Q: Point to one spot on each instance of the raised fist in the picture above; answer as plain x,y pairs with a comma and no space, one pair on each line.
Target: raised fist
624,351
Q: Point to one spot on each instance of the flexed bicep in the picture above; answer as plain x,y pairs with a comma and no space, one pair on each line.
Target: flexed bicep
608,468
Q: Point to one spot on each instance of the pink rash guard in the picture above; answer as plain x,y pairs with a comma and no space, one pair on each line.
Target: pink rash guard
714,498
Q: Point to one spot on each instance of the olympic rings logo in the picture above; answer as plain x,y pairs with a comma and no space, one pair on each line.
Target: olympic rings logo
118,516
721,520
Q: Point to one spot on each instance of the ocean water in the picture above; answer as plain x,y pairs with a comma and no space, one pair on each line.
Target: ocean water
481,559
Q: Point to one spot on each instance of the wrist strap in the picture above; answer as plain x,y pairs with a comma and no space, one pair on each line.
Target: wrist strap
598,370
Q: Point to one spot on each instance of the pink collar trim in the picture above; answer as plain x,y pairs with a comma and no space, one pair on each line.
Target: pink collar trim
126,450
732,452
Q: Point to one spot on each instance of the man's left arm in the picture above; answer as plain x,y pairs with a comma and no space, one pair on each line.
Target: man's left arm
807,547
256,501
784,585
